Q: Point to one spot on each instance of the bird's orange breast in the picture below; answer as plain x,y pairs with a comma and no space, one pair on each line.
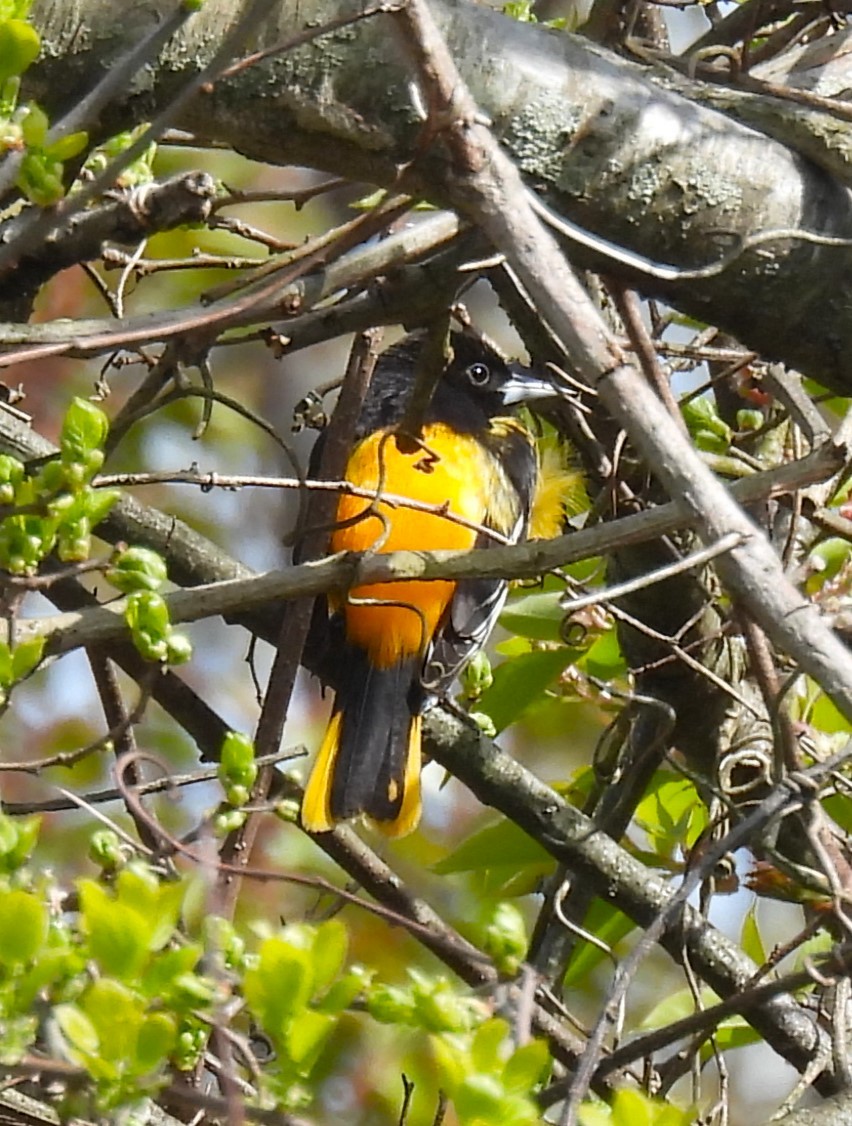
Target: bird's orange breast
447,468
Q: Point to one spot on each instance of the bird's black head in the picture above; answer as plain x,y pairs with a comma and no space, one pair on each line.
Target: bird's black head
477,384
480,374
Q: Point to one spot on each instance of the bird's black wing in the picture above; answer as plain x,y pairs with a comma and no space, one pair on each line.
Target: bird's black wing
473,614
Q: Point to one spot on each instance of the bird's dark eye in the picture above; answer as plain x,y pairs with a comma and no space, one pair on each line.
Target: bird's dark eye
478,374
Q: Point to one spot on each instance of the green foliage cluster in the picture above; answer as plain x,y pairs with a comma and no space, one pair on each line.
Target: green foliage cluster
134,173
297,986
125,996
489,1080
42,173
51,508
26,128
55,507
709,430
138,976
237,768
633,1108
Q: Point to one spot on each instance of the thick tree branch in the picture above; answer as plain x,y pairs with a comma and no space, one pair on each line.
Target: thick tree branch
134,215
611,145
264,301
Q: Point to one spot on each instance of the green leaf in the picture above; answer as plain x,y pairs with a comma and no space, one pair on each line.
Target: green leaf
18,838
750,939
8,835
40,179
138,887
438,1007
522,681
118,935
813,948
305,1037
68,146
526,1067
28,832
634,1108
17,1036
19,48
521,10
155,1041
595,1114
11,475
25,656
344,991
115,1013
711,433
157,902
839,807
502,844
825,716
676,1006
280,985
329,952
98,503
604,658
192,990
77,1029
56,963
165,973
671,813
537,616
487,1043
452,1062
734,1032
631,1108
391,1004
479,1097
84,429
23,927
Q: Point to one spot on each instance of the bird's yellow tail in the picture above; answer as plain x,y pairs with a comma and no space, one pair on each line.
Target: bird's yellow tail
369,760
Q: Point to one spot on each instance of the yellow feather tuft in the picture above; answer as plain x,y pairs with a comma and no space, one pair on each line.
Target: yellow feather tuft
560,491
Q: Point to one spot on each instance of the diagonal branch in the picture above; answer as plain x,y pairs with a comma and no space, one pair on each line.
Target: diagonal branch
487,187
619,149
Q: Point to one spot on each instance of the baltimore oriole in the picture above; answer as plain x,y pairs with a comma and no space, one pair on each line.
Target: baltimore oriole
392,646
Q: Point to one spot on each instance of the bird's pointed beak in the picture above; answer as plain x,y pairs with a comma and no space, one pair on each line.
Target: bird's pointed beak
523,386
